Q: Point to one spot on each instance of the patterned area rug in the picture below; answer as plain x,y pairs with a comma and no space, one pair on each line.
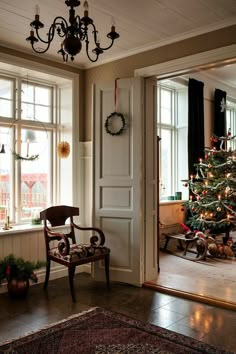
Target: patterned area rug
102,332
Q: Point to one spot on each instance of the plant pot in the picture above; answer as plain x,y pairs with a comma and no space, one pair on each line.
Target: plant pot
18,288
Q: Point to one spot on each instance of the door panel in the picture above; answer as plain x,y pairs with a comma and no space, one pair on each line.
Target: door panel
119,180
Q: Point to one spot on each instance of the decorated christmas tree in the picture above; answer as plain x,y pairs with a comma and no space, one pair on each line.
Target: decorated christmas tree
212,190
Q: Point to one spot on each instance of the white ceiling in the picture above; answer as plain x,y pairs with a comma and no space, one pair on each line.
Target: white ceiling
142,25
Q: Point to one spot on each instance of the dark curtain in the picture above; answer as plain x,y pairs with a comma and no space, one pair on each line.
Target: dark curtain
195,123
219,115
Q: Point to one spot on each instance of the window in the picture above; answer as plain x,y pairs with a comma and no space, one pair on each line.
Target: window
172,129
29,128
231,122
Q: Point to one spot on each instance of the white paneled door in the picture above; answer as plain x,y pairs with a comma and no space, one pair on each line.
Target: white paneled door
119,179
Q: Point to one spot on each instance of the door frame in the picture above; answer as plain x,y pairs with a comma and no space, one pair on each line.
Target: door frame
206,60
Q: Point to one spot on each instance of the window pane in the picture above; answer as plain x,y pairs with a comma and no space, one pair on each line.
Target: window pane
6,98
43,96
165,116
27,93
165,163
36,102
166,106
6,89
42,113
27,111
35,175
6,108
5,175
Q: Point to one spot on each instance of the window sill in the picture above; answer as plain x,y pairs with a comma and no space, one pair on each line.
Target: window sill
167,202
25,228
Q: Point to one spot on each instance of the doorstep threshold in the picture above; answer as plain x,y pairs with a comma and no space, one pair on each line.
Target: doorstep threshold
191,296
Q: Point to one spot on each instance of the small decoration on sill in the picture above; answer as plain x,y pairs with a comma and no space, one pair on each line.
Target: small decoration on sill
63,149
115,123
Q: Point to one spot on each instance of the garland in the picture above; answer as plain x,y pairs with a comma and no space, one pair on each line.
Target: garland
109,121
30,158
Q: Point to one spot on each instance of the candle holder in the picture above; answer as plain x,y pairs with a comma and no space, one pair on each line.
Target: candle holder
7,224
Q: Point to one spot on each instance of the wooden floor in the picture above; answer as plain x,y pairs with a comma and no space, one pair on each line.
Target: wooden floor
209,324
212,279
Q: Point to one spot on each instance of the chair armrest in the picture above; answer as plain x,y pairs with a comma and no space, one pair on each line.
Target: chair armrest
63,244
93,239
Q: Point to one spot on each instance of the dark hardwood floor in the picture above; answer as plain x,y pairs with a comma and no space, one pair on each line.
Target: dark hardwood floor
206,323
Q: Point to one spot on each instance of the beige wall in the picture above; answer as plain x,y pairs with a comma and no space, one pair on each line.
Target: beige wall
125,67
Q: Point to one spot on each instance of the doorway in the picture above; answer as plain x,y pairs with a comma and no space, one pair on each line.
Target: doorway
172,283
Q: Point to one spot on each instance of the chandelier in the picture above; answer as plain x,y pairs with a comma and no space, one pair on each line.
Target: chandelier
75,32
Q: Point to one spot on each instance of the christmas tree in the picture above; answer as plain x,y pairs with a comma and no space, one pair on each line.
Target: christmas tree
212,190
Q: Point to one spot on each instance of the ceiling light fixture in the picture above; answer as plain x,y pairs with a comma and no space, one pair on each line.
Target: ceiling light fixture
74,33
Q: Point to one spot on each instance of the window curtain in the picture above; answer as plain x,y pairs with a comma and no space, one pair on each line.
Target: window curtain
219,123
195,123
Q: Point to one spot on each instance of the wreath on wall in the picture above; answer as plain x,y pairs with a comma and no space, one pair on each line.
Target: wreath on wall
109,126
112,124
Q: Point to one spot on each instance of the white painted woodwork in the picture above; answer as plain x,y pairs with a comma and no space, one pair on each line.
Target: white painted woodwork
152,181
118,180
141,25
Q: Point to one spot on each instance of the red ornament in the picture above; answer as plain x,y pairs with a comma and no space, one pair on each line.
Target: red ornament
182,209
206,156
214,139
230,206
185,184
204,192
193,209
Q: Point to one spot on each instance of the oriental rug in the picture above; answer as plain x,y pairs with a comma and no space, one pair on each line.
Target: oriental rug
99,331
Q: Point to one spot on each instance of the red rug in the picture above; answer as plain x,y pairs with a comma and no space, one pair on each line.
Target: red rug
102,332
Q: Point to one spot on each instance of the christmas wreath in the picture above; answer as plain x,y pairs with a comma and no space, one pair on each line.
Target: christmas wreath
108,124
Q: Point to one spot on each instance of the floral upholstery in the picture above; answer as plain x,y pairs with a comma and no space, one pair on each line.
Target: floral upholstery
79,252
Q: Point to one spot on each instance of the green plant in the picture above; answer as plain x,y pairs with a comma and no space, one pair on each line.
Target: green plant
16,268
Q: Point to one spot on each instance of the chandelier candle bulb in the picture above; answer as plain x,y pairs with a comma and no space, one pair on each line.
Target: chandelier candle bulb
86,8
37,10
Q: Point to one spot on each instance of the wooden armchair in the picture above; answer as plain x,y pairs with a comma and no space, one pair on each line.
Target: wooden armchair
66,251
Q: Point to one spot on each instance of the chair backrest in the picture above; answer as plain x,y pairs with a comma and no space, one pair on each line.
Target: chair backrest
57,215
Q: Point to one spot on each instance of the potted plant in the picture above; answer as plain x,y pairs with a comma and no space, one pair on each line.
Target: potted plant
18,273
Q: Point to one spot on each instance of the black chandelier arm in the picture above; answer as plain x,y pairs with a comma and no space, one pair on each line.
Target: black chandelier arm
50,35
51,32
112,42
40,51
87,52
95,32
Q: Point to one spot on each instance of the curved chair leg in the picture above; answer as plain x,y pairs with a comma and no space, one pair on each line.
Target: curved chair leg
71,272
107,263
47,274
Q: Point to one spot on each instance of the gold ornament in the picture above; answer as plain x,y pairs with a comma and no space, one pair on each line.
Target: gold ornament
63,149
218,209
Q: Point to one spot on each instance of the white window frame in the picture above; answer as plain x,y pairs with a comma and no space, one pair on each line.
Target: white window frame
178,129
